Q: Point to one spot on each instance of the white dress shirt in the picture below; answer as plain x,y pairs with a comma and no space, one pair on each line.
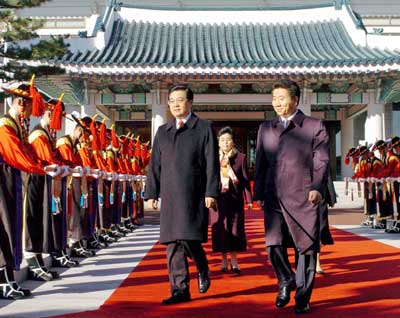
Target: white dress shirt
183,119
285,121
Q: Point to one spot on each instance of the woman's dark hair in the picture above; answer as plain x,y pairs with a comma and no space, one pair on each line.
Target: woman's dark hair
180,87
226,130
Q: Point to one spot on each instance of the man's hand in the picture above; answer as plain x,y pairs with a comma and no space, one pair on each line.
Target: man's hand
260,204
153,203
314,197
210,202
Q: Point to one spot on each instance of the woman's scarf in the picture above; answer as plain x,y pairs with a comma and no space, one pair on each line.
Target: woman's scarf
226,170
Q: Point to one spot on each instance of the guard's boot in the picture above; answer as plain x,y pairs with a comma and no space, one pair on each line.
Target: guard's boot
78,250
123,229
394,227
368,221
107,239
129,224
379,224
61,259
36,272
116,233
9,288
55,274
95,243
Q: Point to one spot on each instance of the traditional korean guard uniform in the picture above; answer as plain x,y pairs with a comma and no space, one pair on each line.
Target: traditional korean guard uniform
76,212
16,158
364,172
41,193
113,186
393,167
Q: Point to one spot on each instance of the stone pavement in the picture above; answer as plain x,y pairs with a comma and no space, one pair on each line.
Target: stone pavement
87,287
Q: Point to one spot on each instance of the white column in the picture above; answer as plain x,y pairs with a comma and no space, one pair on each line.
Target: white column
159,110
305,101
347,142
90,106
374,125
89,102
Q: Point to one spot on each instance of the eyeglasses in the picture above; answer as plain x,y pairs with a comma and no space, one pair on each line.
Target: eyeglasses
178,100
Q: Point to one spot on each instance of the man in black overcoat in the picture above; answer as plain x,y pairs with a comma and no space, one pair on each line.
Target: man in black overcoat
291,165
184,173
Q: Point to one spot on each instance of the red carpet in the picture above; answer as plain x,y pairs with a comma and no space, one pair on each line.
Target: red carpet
362,281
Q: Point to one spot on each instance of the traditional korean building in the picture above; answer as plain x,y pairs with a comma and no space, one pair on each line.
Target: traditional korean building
124,58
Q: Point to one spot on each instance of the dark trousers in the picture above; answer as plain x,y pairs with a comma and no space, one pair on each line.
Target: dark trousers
304,276
178,268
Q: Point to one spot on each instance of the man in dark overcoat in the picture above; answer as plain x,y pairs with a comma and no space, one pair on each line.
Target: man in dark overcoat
184,173
291,165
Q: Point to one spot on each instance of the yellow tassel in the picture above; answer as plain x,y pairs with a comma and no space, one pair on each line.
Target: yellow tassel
32,79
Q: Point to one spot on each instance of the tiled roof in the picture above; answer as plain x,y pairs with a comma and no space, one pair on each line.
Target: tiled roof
318,44
54,91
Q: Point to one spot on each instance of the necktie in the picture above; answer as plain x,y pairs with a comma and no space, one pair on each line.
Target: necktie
180,124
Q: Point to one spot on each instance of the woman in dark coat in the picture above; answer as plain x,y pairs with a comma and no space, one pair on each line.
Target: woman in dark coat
228,231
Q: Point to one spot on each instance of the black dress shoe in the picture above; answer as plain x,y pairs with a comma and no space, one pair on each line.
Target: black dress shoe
302,310
203,281
283,297
177,297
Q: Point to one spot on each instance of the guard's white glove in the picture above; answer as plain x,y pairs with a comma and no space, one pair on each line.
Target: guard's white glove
86,171
52,170
94,173
77,172
140,178
66,171
109,175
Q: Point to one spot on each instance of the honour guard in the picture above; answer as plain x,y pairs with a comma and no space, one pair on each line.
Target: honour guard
394,178
385,171
39,229
16,157
68,148
363,173
377,166
112,164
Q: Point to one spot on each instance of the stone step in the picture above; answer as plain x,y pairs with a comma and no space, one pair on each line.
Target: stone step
348,201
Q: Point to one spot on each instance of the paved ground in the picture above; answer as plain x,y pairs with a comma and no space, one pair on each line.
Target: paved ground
85,287
89,285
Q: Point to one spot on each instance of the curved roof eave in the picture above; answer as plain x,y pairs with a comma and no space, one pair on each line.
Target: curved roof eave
229,70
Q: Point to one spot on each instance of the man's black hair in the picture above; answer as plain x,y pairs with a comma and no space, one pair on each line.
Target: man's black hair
181,87
291,86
